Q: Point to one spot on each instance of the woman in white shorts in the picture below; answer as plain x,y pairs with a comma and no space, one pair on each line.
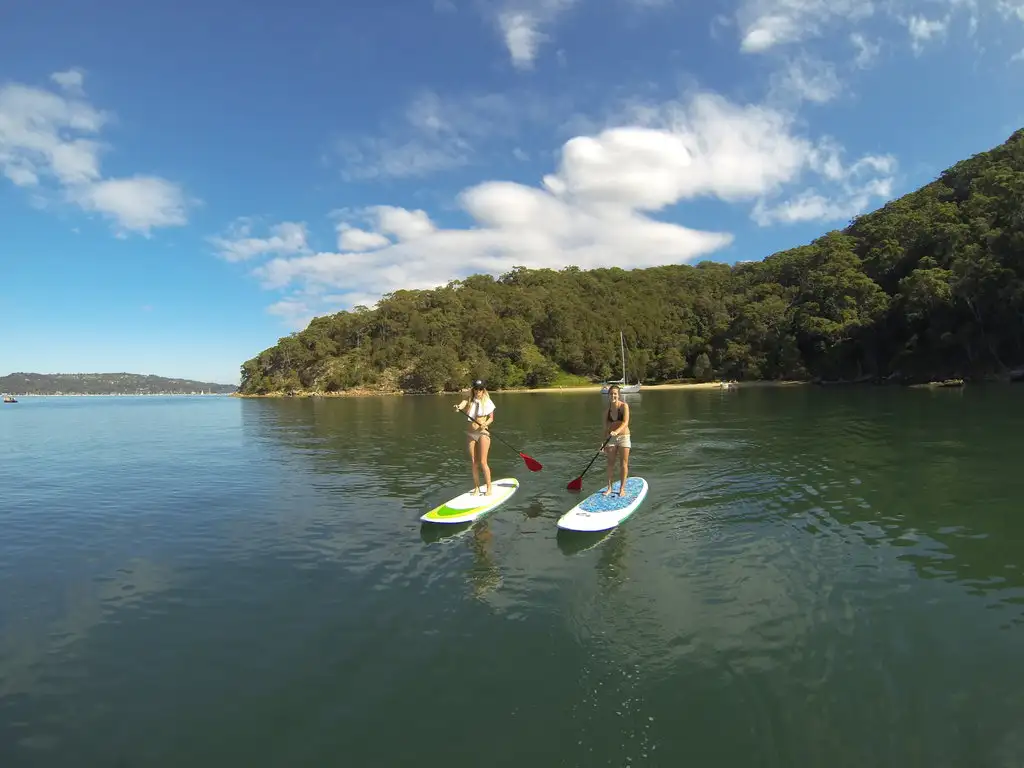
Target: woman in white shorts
480,408
616,429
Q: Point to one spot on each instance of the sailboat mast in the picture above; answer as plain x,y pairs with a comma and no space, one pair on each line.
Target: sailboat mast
622,352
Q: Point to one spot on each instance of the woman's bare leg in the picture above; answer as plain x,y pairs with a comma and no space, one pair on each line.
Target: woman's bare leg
485,446
472,460
624,471
612,455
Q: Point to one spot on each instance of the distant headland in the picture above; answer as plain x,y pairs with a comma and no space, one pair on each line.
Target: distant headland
57,384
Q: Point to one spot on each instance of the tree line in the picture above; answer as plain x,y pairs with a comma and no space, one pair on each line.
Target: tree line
20,383
929,286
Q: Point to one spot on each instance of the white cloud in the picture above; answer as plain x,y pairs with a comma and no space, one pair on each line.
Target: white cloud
295,312
23,175
382,221
71,80
354,239
34,125
1011,8
765,24
286,239
811,205
522,38
51,138
867,51
806,79
707,146
923,29
300,307
437,134
136,204
403,224
867,182
521,22
517,225
595,209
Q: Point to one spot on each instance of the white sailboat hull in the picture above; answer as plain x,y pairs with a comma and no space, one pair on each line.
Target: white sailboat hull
624,389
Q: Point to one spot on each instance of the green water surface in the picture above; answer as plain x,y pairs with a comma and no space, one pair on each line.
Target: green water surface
816,578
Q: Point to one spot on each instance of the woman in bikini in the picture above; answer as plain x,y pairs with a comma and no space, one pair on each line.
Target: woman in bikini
480,408
616,429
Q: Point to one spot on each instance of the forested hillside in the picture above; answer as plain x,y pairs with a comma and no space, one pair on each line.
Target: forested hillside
104,384
929,286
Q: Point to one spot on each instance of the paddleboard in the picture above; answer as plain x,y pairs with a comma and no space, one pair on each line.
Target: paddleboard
466,507
598,512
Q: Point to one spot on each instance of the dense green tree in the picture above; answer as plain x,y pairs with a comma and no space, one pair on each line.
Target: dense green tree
928,286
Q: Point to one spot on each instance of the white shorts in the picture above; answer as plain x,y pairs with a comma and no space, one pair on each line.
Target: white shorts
619,441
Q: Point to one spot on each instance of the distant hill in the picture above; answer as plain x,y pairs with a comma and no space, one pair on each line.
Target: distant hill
105,384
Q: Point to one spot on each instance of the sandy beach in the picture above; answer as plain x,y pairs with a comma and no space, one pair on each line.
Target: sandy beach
592,388
589,389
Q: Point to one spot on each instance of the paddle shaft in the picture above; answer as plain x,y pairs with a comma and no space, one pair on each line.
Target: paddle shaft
531,463
580,478
487,431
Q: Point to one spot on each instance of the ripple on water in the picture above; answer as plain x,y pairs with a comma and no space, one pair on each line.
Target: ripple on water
769,582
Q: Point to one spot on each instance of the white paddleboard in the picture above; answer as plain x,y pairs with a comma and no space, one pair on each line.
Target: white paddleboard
467,507
598,512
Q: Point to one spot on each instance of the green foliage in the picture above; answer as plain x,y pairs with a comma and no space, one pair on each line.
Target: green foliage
702,367
929,286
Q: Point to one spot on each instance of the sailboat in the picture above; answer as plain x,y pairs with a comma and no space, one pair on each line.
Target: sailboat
624,388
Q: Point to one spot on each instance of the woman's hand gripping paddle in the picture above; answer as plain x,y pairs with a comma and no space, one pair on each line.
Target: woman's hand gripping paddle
577,484
531,463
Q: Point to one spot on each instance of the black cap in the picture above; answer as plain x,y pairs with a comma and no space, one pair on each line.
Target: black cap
478,384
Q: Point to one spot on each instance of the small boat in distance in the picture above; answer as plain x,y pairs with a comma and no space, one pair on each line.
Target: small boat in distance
624,388
9,399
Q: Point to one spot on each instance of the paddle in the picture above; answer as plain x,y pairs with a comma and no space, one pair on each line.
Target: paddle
577,484
532,463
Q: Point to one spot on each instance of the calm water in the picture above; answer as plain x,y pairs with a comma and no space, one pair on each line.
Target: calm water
817,578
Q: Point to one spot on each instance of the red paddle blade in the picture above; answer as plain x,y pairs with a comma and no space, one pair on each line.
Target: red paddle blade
532,463
575,485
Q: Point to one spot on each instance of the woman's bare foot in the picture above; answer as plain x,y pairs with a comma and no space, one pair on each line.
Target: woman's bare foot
607,491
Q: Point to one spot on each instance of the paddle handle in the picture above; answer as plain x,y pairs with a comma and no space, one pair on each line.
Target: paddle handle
471,420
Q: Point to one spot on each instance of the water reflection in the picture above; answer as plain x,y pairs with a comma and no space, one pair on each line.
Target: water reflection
792,546
29,642
574,542
872,467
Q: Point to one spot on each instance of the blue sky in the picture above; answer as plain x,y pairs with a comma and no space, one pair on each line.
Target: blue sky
182,183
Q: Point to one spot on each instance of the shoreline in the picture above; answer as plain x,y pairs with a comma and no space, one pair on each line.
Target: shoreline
589,389
592,389
124,394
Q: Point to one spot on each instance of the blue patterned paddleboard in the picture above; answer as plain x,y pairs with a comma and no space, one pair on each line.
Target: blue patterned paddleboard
598,512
